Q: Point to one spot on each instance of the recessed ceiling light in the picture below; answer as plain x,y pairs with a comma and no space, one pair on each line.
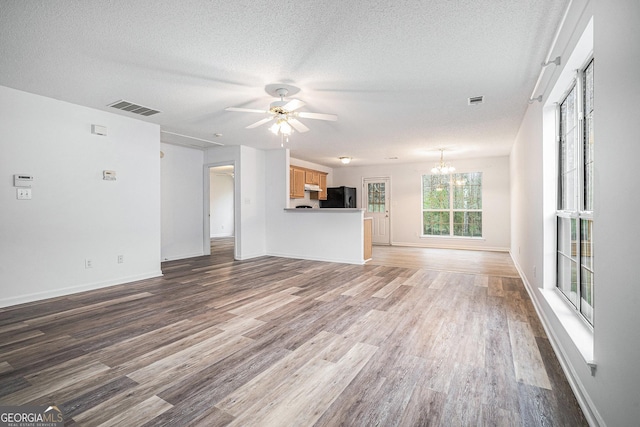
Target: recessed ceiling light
217,135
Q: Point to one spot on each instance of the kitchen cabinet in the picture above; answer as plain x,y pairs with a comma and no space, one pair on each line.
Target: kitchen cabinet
323,187
368,238
296,183
312,177
322,182
299,176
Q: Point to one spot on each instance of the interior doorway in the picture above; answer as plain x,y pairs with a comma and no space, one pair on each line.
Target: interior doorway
376,196
220,221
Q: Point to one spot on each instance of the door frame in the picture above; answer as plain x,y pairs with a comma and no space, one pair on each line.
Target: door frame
206,208
364,204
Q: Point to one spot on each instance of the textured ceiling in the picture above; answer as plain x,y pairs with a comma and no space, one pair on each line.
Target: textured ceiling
397,73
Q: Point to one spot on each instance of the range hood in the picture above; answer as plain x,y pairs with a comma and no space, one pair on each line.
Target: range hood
312,187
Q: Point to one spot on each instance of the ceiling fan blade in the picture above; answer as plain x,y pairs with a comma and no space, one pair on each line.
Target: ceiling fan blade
294,104
298,125
318,116
245,110
260,122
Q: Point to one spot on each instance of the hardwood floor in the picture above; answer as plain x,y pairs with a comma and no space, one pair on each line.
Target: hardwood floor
411,341
453,260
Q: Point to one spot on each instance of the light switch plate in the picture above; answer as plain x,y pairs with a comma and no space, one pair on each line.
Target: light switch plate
23,193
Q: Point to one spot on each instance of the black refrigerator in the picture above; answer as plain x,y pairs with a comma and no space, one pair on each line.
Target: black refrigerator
339,197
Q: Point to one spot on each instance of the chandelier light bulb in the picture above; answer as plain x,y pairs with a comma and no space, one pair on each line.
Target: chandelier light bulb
442,168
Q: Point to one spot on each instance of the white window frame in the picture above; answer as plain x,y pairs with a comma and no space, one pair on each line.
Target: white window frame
451,208
579,214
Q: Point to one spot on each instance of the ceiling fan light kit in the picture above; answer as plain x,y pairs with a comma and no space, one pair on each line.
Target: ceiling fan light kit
281,127
283,112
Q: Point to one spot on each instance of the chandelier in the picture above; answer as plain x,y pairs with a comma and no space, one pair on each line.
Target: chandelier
442,168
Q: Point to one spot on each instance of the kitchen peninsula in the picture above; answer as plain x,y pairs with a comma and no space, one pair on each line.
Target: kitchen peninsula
343,231
320,234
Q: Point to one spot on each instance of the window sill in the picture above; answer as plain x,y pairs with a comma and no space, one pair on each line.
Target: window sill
577,329
428,236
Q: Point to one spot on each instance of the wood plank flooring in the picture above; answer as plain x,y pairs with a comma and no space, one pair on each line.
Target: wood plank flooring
415,338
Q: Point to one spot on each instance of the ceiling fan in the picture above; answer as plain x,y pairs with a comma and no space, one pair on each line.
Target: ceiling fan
283,112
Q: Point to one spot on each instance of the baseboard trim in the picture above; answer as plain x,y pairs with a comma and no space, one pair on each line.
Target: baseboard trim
322,259
441,246
214,236
183,256
584,400
54,293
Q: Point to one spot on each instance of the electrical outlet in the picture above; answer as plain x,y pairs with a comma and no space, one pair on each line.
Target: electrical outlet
120,259
534,271
88,263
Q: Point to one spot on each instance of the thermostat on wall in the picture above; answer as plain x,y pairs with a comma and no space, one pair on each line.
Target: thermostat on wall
109,175
22,180
99,130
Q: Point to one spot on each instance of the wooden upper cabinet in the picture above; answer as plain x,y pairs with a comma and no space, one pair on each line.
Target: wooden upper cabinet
322,182
291,182
296,184
312,177
298,177
323,186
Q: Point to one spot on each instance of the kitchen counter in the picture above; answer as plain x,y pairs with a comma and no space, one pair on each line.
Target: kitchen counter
306,210
321,234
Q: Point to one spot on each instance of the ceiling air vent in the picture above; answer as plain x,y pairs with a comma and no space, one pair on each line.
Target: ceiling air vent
133,108
476,100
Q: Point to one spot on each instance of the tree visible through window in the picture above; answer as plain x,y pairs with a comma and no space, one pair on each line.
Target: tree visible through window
376,194
575,194
452,205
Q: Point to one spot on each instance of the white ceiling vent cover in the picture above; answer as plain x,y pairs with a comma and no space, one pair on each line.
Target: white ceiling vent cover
476,100
133,108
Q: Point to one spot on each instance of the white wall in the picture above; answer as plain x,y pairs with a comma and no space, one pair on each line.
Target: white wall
221,204
612,396
526,194
406,199
252,211
74,214
616,388
182,196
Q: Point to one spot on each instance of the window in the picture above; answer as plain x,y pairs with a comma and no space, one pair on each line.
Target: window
376,195
452,205
574,216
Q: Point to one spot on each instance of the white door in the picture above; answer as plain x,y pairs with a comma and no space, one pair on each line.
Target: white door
376,194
